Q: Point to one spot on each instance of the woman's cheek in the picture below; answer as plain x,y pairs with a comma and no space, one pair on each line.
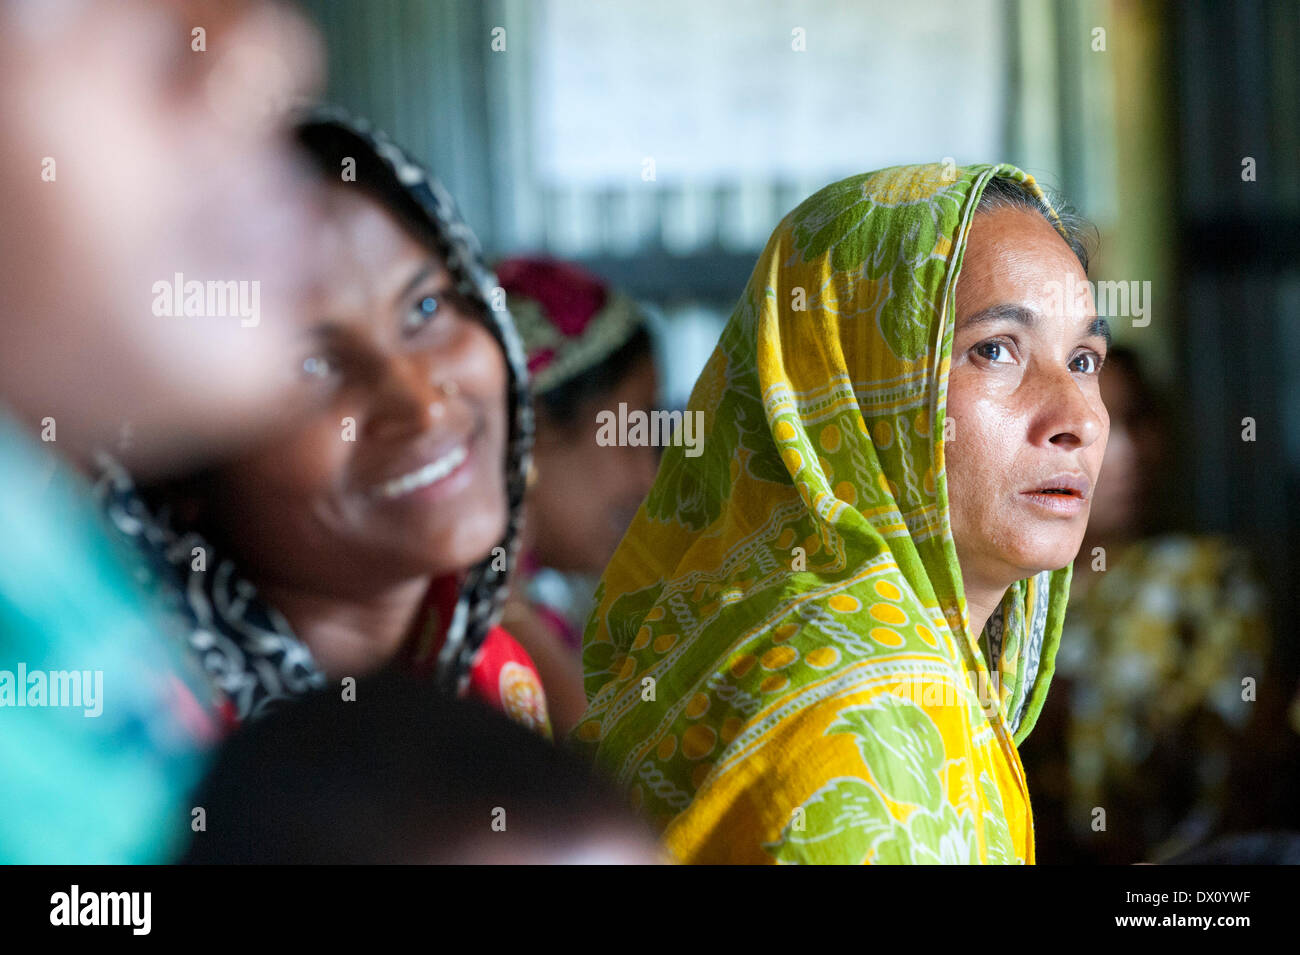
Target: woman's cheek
489,387
478,359
960,436
316,459
980,461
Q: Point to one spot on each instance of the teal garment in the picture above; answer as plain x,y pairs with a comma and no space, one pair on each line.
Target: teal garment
74,788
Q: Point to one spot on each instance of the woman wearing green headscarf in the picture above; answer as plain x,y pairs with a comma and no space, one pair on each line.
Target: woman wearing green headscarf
826,631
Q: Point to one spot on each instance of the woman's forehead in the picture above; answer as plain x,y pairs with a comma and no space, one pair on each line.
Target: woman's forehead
1003,240
372,254
1017,266
361,217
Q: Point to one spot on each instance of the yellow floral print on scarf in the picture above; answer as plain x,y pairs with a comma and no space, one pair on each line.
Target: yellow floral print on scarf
778,667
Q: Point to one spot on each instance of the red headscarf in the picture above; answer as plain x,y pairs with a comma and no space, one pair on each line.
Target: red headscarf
569,319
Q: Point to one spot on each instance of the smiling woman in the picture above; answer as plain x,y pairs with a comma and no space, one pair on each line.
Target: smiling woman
379,528
399,475
822,639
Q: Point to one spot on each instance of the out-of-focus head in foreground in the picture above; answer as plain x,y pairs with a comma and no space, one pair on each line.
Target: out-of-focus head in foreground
401,775
159,228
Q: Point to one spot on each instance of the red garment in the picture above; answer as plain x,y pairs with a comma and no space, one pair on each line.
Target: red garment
503,674
569,295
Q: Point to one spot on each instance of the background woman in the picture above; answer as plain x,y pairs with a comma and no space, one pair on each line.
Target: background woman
589,350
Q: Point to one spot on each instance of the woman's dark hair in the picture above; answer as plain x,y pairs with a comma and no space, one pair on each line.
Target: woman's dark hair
560,405
397,775
336,150
1079,234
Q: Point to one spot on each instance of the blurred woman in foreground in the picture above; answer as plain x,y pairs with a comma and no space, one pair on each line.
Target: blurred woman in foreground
120,171
408,778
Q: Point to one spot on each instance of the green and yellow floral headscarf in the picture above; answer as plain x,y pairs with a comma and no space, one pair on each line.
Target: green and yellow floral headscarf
778,667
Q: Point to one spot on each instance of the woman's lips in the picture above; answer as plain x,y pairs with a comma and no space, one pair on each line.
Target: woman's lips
1070,482
427,476
1065,494
1064,503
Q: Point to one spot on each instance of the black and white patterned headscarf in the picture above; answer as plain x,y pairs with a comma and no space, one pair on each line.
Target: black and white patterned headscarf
244,645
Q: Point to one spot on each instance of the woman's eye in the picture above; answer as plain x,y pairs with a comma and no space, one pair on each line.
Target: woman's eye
994,351
317,367
1090,361
422,312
